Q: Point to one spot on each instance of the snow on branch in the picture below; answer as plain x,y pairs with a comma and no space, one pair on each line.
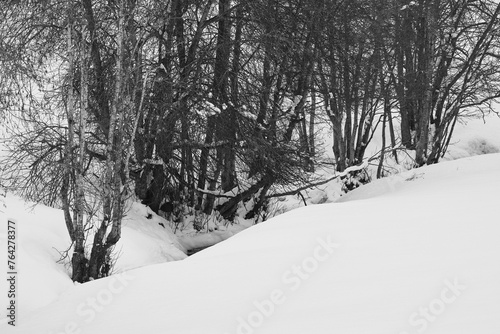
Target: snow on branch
214,193
351,169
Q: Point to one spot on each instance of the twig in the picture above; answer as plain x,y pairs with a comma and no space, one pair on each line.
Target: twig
64,254
303,199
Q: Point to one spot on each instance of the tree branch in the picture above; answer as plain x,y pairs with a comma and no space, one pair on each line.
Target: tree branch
312,185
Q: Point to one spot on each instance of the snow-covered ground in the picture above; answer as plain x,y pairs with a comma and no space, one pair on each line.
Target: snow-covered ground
416,252
477,136
412,253
42,239
471,137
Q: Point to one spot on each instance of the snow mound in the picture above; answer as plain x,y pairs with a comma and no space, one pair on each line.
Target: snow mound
144,241
42,238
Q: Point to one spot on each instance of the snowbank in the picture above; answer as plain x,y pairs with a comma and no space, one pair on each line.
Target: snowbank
414,253
42,237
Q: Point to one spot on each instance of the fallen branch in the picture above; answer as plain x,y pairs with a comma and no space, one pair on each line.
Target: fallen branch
214,193
312,185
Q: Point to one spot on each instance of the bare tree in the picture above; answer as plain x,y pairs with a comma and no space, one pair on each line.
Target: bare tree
444,66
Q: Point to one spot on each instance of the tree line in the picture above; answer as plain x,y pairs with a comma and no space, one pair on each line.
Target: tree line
201,106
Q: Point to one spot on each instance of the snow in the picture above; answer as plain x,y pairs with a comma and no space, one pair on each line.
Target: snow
475,137
471,137
41,232
42,237
248,115
202,240
144,241
411,253
416,252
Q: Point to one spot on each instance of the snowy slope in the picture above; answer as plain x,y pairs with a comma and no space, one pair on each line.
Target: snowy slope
471,137
414,253
475,137
42,237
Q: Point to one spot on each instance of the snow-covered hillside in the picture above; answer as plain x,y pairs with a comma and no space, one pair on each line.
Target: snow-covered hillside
42,238
414,253
471,137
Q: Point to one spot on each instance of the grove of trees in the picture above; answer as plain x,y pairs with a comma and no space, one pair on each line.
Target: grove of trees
181,103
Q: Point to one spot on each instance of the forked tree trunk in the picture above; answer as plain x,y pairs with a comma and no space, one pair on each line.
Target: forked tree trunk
113,197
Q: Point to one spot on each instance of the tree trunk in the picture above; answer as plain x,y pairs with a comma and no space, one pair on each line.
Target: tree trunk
431,30
112,183
75,223
226,130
